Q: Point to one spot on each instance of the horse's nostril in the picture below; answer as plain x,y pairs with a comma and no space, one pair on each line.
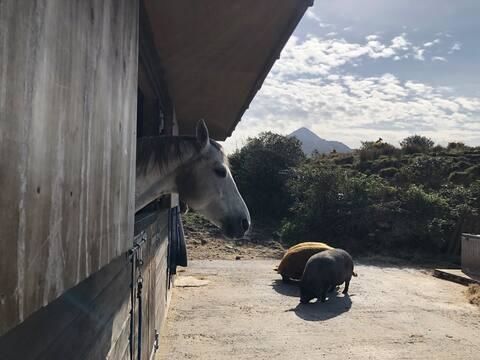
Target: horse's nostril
245,224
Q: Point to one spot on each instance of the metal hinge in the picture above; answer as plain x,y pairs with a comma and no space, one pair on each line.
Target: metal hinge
156,344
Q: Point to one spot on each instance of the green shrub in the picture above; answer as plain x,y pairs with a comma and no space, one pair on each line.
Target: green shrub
460,165
427,218
466,177
344,160
456,147
427,171
385,162
261,170
372,150
420,203
389,172
474,172
331,204
438,149
460,178
364,166
378,198
416,144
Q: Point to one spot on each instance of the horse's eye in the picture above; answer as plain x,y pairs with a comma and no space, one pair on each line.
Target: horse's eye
221,172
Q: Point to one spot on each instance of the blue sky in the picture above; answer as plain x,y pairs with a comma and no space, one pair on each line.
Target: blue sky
359,70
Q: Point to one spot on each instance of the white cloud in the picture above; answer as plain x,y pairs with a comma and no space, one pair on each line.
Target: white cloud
311,15
455,47
324,25
431,43
418,54
352,109
400,42
318,56
418,88
348,28
333,33
469,104
309,87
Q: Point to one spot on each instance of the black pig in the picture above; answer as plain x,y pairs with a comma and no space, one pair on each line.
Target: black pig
323,272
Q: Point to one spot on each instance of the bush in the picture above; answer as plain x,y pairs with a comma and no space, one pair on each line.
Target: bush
456,147
380,198
344,160
427,218
438,149
261,169
459,178
331,205
385,162
372,150
460,165
428,171
389,172
420,203
474,172
416,144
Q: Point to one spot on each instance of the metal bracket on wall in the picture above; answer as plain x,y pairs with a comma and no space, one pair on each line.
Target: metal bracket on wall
155,344
135,256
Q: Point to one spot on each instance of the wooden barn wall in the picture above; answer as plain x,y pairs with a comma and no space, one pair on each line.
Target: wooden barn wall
92,320
68,90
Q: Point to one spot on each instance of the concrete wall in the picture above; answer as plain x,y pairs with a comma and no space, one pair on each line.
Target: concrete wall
471,254
68,90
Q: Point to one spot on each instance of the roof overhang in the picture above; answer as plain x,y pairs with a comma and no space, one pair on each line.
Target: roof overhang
215,54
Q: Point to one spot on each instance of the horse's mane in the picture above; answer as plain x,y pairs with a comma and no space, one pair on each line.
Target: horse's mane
167,149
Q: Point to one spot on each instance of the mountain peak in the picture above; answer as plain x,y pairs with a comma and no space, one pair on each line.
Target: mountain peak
311,142
303,130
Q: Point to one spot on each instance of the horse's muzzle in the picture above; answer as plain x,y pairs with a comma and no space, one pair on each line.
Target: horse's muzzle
235,227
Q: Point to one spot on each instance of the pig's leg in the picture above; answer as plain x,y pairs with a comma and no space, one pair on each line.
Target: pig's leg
305,295
323,293
347,283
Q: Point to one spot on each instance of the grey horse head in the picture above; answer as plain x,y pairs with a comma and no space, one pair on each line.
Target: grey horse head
207,186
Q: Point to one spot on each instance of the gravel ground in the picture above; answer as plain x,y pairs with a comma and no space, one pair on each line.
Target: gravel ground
225,309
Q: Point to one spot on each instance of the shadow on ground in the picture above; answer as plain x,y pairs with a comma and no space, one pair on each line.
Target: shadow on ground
318,311
287,289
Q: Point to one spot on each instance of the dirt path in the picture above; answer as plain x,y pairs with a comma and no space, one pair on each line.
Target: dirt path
216,248
205,242
241,310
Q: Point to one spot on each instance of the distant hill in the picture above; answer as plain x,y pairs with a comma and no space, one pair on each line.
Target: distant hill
311,141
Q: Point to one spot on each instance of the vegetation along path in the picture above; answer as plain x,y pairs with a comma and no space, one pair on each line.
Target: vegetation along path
224,309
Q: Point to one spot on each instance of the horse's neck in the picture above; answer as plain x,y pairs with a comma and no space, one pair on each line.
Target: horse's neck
158,159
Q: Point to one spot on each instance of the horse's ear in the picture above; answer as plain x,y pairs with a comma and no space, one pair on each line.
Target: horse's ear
202,134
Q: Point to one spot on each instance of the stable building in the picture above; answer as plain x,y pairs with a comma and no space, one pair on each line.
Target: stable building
82,274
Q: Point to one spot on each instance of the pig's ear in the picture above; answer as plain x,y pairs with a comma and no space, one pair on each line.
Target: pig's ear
202,135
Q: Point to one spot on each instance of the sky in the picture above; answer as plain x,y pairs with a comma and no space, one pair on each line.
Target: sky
358,70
